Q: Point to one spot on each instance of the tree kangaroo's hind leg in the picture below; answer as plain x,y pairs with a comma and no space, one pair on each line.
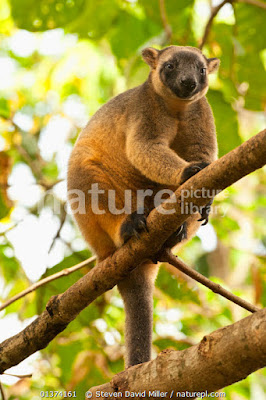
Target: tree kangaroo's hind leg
137,293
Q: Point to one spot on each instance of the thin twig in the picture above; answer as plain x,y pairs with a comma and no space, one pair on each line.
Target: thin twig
35,165
57,235
46,280
215,11
10,228
2,392
166,25
170,258
18,376
35,168
210,21
46,185
49,185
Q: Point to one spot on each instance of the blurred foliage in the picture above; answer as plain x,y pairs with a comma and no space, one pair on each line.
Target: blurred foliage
59,62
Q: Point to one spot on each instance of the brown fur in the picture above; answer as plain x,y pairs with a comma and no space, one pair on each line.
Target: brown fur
143,138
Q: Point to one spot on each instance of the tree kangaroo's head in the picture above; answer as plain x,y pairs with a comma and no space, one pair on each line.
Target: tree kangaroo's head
180,72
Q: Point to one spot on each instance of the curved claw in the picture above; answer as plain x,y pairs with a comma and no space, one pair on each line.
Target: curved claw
205,213
143,225
205,219
177,237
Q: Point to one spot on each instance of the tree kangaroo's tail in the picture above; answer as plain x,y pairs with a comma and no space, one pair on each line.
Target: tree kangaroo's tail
137,293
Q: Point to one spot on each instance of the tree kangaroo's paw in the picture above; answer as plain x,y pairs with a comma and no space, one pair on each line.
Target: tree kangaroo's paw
133,225
191,170
177,237
205,211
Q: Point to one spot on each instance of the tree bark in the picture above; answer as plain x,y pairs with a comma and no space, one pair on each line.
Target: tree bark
62,309
225,356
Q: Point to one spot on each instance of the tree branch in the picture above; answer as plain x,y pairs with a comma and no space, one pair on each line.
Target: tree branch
62,309
165,257
210,21
226,356
2,392
63,215
42,282
215,11
10,228
169,257
166,25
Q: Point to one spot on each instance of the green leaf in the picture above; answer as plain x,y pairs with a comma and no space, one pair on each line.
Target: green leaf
175,289
251,71
19,285
263,296
50,170
43,15
179,14
9,266
67,354
62,284
163,344
129,34
96,19
251,29
226,122
4,209
228,225
85,318
4,108
222,35
251,36
202,265
30,144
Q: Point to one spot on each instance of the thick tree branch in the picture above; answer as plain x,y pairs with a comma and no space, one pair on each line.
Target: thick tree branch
165,257
62,309
226,356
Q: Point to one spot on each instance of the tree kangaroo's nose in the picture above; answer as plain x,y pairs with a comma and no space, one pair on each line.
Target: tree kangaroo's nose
189,83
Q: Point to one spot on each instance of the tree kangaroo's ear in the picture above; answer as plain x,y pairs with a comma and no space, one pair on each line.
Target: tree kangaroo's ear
150,56
213,64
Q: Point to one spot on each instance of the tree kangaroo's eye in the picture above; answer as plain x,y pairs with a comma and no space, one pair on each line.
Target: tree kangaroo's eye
169,66
203,71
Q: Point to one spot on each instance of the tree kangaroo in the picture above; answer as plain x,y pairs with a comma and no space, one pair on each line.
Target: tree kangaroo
154,136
